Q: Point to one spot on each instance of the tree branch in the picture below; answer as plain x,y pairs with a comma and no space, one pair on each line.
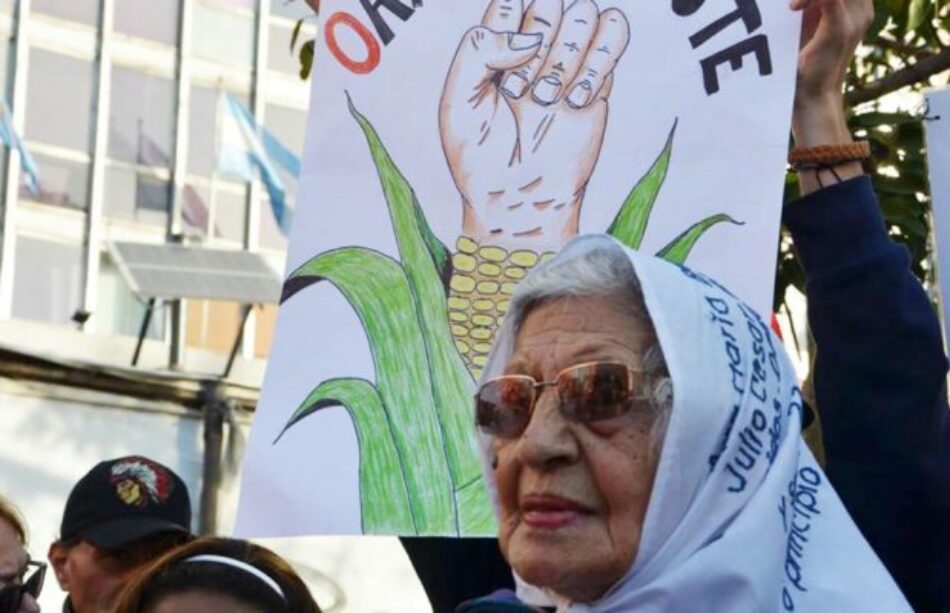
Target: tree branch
921,71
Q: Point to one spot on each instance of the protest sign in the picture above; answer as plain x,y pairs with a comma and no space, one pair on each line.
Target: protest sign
451,148
937,127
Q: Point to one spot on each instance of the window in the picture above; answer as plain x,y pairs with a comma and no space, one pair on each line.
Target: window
62,182
292,9
137,195
289,127
120,312
222,35
202,128
155,20
142,118
230,214
195,212
266,324
47,282
279,56
54,78
212,325
83,11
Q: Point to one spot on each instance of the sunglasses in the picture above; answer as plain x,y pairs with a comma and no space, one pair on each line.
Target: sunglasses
11,597
587,393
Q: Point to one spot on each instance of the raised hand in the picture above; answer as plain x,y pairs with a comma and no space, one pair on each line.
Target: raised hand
523,114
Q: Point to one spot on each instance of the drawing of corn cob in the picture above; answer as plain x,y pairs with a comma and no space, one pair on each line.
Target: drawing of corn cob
483,279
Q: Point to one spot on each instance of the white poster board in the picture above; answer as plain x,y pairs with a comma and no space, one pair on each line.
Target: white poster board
451,146
937,130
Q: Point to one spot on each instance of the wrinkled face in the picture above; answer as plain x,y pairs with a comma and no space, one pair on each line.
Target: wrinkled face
197,601
573,497
92,576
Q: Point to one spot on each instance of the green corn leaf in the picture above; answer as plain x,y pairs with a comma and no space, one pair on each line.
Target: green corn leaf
420,253
410,225
384,497
476,517
678,249
377,288
630,224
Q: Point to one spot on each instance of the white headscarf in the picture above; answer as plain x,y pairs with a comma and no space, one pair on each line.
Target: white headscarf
741,517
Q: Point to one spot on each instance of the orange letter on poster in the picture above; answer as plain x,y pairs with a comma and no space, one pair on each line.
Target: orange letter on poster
372,47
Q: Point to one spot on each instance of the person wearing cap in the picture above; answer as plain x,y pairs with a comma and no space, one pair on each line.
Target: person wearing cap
121,515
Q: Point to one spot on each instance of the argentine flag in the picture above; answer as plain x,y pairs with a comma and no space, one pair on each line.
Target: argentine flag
244,148
9,137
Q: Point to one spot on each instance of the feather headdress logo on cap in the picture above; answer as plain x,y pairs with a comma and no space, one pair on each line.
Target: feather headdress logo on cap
138,481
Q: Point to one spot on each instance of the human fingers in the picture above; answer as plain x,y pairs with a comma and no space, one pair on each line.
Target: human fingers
610,41
567,52
503,15
542,17
482,54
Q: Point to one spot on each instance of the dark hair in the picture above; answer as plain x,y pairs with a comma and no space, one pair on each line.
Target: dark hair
173,574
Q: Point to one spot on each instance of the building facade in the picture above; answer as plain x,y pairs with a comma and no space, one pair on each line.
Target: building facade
116,100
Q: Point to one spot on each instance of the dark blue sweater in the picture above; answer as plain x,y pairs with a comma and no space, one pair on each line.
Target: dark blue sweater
880,387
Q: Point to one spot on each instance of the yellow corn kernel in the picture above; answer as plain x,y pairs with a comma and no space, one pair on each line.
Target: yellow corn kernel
462,346
500,320
483,305
479,360
489,270
493,254
476,372
463,262
503,306
487,287
459,331
483,320
481,334
481,347
459,317
515,273
462,284
458,304
466,245
547,255
508,288
526,259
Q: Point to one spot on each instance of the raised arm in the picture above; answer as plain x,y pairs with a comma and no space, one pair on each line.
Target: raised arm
880,370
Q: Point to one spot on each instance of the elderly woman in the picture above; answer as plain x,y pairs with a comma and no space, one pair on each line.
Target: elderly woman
643,431
641,426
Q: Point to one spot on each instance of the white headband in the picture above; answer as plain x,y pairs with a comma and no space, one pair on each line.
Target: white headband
242,566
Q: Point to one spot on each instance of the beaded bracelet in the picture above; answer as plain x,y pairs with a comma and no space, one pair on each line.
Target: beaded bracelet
826,156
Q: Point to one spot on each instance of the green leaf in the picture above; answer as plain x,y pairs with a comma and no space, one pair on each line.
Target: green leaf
679,248
384,497
917,13
631,222
476,516
378,290
424,259
295,34
306,59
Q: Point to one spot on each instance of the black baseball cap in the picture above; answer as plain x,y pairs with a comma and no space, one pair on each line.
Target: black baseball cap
125,500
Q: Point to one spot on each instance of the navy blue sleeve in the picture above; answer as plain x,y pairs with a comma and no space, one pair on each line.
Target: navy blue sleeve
880,385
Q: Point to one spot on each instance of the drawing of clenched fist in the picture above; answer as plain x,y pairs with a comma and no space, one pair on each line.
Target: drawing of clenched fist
522,119
523,114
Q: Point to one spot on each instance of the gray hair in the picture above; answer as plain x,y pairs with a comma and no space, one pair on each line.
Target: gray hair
604,271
